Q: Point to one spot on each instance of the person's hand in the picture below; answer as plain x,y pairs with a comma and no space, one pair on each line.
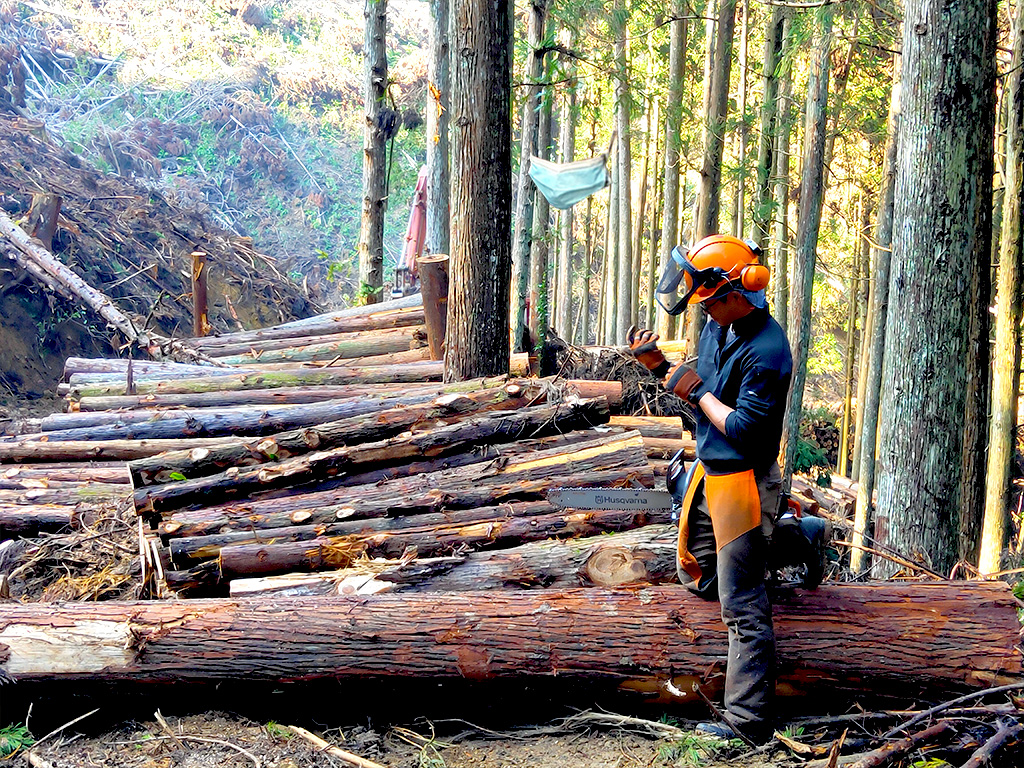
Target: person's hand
644,346
685,382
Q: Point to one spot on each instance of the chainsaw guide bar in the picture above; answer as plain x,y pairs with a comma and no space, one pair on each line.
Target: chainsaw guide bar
610,498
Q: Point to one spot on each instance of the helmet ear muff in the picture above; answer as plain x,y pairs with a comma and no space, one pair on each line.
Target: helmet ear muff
754,277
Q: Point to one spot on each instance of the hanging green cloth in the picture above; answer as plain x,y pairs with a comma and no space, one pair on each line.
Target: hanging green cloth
565,184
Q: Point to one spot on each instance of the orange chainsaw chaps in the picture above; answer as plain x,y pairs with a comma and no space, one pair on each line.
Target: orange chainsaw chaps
734,505
685,560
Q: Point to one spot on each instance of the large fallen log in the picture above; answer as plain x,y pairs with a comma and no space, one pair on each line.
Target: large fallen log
605,462
488,428
118,367
370,426
105,472
406,302
871,638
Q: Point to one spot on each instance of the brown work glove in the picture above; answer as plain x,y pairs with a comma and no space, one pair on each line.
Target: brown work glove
644,346
685,382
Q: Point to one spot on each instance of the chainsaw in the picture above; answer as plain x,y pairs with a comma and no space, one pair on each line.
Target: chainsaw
796,552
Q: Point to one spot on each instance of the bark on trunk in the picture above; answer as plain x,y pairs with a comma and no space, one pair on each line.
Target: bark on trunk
763,209
941,191
438,146
880,310
812,191
1007,362
478,339
882,637
525,188
381,122
433,271
673,144
625,314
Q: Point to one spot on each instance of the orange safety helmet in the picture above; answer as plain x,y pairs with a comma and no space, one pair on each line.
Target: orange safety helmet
713,267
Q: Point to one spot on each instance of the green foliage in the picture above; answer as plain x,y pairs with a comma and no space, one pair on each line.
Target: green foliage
930,762
695,749
278,732
811,460
13,739
177,476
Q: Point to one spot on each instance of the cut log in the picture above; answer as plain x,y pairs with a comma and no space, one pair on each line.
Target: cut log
665,427
346,345
106,472
644,555
87,450
282,396
239,420
502,427
367,578
381,374
433,270
406,302
23,520
67,493
279,338
338,552
663,448
871,638
119,366
606,462
371,426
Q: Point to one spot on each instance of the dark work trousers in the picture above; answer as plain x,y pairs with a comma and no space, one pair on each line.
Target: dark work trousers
741,566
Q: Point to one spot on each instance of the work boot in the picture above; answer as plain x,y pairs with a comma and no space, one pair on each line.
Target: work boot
759,733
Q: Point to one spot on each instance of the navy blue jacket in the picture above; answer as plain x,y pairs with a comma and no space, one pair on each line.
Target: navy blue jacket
750,373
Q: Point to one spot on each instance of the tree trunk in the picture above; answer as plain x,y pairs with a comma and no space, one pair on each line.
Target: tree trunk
766,159
812,190
742,128
599,462
941,188
1007,362
859,559
705,221
596,633
533,68
322,465
866,319
780,239
478,342
843,459
380,123
438,146
43,215
673,127
624,310
567,142
540,241
654,232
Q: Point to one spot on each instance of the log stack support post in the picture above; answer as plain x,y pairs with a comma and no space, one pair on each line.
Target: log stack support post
200,317
42,217
433,270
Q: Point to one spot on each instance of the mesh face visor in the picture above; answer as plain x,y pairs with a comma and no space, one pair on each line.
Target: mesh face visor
680,281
